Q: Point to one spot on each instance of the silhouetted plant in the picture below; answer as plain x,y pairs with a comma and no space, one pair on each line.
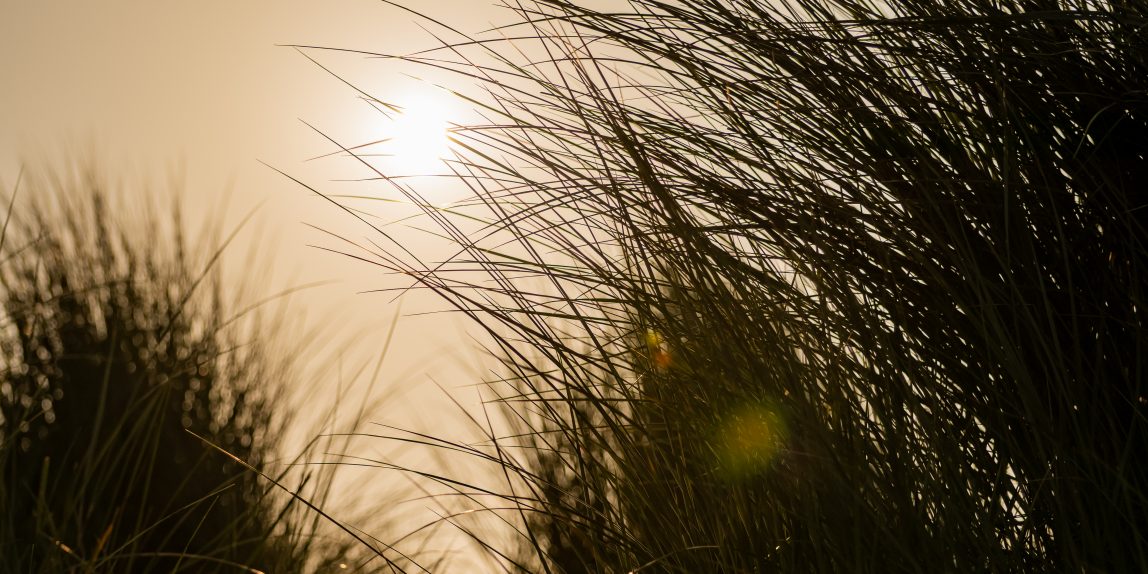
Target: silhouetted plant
117,341
810,285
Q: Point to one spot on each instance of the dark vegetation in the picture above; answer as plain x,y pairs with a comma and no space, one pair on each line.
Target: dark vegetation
796,285
807,285
117,340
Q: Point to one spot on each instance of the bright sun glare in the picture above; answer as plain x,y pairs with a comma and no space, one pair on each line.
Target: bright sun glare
418,139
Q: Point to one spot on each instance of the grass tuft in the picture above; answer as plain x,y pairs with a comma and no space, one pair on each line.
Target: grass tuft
117,344
806,285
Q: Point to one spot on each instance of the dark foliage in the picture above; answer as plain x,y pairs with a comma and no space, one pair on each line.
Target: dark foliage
812,285
116,343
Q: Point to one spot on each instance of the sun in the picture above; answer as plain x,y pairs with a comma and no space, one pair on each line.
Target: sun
418,135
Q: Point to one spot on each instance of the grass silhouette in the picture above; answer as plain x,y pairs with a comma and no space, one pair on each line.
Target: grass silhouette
805,285
117,341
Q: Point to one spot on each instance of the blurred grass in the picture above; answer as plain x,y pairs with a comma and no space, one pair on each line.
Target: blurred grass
119,341
805,285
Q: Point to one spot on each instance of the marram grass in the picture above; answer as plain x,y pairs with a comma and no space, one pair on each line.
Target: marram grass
120,361
807,285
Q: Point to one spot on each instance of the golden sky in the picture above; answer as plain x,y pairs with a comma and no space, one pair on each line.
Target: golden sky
205,90
203,83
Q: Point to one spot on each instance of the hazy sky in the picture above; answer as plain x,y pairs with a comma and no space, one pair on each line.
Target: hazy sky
157,87
203,81
204,89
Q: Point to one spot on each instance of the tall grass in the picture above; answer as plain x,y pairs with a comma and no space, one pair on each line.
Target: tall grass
121,359
807,285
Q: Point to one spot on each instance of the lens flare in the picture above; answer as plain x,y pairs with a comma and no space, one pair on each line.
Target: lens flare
749,439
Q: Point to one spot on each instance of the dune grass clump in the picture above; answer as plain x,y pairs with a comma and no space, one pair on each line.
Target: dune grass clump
121,361
809,285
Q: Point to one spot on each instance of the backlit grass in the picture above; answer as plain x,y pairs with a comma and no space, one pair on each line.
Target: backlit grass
805,285
120,359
